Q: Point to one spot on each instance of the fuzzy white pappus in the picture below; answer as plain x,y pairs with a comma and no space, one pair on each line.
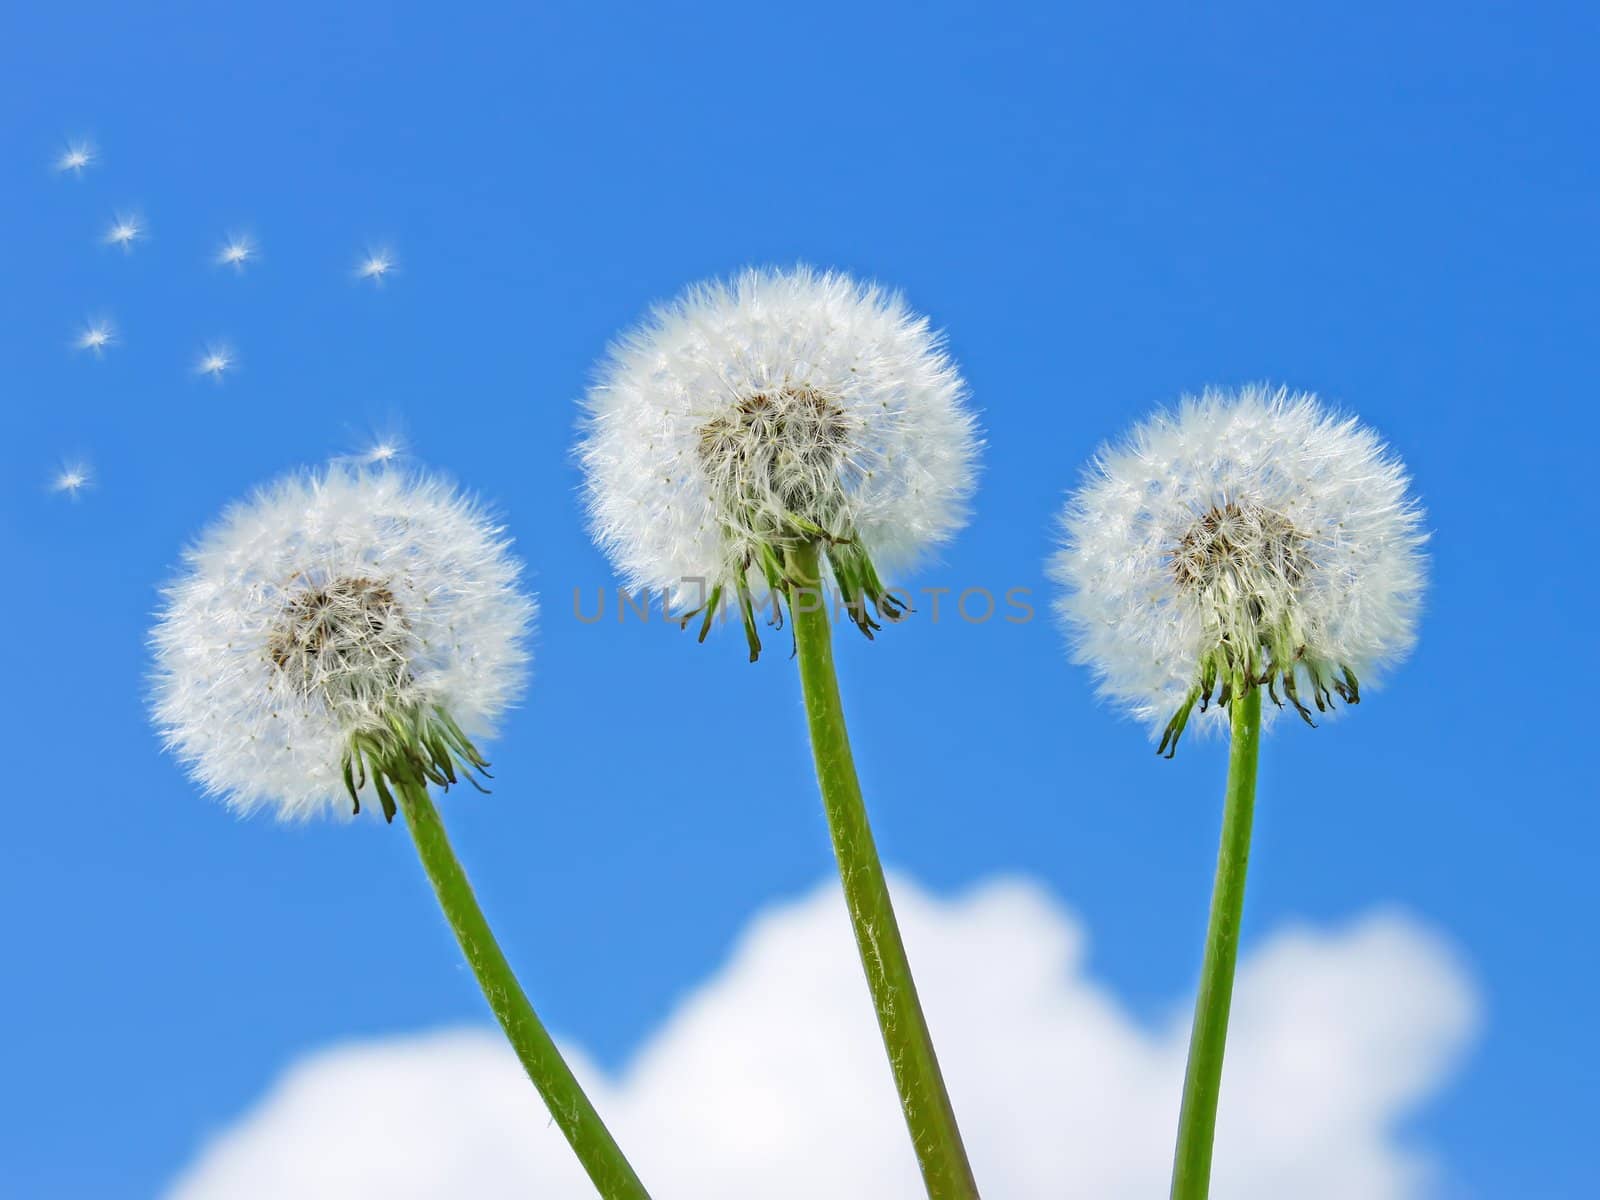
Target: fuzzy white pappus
775,407
1246,539
326,617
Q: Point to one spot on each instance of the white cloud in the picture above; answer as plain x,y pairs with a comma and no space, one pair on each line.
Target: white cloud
769,1081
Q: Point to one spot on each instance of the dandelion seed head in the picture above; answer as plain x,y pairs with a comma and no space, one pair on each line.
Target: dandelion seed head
76,157
323,609
124,231
1250,536
754,412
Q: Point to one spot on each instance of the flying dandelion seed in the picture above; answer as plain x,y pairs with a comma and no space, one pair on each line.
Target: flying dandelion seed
75,158
384,450
96,336
73,478
236,252
214,361
124,231
377,447
376,265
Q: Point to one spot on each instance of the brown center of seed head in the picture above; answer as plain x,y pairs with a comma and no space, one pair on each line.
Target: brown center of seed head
346,641
1242,551
782,447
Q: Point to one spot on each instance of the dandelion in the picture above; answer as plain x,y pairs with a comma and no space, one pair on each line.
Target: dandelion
96,336
320,624
1253,537
124,231
1247,543
758,439
76,157
72,478
777,411
344,631
214,361
376,265
236,251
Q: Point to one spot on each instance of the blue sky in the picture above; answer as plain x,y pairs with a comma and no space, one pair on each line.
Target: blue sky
1102,208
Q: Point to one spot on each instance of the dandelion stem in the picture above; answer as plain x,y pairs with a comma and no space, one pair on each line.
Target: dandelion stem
929,1116
569,1107
1202,1081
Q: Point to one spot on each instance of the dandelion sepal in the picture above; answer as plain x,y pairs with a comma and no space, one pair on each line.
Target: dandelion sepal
410,748
570,1108
1202,1081
930,1117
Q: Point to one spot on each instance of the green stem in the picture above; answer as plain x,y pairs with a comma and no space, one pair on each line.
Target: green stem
1202,1081
929,1116
570,1108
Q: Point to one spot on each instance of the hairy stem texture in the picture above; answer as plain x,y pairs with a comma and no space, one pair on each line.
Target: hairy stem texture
929,1116
570,1108
1202,1081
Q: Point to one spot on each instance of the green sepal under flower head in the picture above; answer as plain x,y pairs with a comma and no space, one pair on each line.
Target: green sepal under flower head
866,600
412,749
1283,663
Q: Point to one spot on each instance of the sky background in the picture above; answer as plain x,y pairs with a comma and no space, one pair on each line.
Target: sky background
1103,209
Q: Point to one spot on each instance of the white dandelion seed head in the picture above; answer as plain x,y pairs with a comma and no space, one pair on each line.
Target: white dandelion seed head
1249,535
317,610
376,264
96,336
237,251
72,478
76,157
125,230
215,361
743,405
